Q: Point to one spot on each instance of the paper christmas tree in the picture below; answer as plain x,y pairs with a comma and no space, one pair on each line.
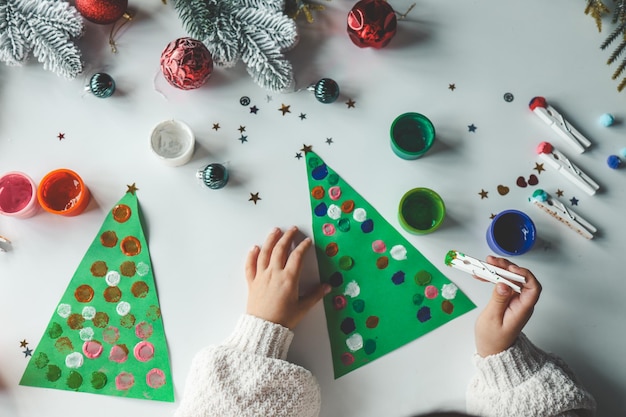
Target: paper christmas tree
385,292
106,335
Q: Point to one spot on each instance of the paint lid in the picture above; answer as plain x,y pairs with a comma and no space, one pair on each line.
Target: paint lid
173,142
18,195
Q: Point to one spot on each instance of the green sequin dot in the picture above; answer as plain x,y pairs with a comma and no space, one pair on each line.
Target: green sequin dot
346,263
41,360
333,179
314,162
343,225
369,346
98,380
418,299
423,278
55,330
358,306
54,373
74,380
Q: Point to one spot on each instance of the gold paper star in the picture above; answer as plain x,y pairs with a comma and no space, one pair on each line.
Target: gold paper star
483,194
216,126
23,343
451,87
242,129
559,193
539,167
306,148
493,216
350,103
132,189
254,197
284,109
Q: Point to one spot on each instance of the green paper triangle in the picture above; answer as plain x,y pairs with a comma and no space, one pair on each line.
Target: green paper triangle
106,335
385,292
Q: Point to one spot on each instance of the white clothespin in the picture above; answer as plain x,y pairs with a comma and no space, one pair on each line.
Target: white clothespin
560,162
556,209
483,270
3,240
554,119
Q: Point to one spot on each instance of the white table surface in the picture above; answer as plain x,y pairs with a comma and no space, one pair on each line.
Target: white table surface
198,238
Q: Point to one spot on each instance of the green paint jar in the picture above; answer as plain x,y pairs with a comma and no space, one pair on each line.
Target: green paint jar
412,135
421,211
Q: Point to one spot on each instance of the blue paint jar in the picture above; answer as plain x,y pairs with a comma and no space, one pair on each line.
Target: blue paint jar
511,233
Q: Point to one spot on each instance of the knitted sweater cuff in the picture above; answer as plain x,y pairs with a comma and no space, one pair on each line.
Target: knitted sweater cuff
512,367
260,337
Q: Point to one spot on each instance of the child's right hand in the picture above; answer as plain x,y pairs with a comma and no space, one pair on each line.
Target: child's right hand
507,312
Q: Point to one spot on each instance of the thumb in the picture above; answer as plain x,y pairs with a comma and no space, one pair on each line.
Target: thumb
499,300
309,300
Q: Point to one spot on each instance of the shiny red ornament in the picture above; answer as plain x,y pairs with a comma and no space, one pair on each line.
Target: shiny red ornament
186,63
102,12
372,23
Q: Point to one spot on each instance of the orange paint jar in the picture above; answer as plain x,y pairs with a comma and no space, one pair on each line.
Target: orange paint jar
63,192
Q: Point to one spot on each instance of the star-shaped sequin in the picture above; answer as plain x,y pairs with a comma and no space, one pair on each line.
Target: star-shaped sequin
243,138
574,201
350,103
539,168
284,109
329,140
28,352
132,188
23,343
302,116
254,197
451,87
472,128
61,136
483,194
492,216
559,193
216,126
254,109
268,98
306,148
241,129
298,155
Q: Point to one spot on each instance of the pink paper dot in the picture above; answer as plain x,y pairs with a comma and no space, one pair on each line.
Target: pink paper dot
144,351
334,193
92,349
379,246
143,330
155,378
431,292
328,229
118,354
124,381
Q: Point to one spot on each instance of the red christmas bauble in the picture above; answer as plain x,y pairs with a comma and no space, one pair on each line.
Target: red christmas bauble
101,12
372,23
186,63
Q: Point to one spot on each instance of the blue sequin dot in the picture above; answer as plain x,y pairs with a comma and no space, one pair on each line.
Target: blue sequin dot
398,278
367,226
320,172
423,314
321,209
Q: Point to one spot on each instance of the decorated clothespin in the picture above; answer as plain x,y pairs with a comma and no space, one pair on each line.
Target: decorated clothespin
562,164
4,240
483,270
554,119
568,217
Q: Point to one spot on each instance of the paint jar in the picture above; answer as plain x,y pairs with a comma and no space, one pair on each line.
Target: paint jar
18,195
511,233
63,192
412,135
421,211
173,142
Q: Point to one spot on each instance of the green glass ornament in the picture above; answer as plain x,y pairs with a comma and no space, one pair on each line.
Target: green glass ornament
102,85
214,176
325,90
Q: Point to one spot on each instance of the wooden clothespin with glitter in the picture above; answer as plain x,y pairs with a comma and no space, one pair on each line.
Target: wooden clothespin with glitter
561,163
483,270
4,240
568,217
557,122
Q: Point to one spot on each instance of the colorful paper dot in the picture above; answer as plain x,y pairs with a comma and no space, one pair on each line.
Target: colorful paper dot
398,278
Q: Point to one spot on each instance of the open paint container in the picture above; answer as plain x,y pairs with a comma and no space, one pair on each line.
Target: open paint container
412,135
18,195
173,142
511,233
63,192
421,211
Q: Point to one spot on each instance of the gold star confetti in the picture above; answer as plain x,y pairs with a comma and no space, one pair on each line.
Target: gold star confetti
451,87
306,148
483,194
254,197
216,126
350,103
23,343
539,167
242,129
132,189
284,109
559,193
493,216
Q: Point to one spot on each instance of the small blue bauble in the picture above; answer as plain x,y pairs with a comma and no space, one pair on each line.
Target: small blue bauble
102,85
326,90
613,161
607,120
214,176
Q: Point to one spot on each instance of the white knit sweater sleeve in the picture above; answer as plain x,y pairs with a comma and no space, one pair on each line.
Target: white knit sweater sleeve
526,381
248,375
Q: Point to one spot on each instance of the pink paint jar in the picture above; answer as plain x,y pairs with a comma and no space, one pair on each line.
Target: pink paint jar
18,195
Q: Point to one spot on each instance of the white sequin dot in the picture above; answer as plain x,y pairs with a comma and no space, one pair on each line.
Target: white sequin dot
74,360
142,269
334,212
448,291
354,342
360,215
86,333
112,278
398,253
352,289
89,312
123,308
64,310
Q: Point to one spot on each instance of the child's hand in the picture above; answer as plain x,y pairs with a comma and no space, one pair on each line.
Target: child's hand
273,276
507,312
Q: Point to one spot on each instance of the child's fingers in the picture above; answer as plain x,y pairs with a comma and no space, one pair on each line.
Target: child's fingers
267,248
294,261
251,263
281,249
